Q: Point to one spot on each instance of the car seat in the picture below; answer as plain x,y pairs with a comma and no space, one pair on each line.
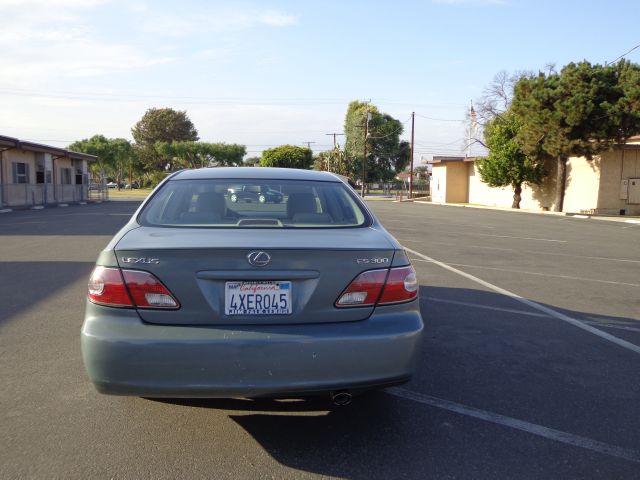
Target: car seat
210,208
302,207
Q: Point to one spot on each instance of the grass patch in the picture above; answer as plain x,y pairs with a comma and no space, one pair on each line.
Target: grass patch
137,193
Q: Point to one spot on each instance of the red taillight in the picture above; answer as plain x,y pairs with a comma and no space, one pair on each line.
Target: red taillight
147,291
380,287
106,287
401,286
364,290
128,288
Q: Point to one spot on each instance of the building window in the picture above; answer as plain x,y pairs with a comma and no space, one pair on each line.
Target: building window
39,167
65,176
20,172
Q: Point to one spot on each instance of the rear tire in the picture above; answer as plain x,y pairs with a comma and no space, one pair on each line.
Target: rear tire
262,199
234,198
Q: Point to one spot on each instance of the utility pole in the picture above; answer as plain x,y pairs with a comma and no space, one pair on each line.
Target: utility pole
334,138
472,126
364,158
413,121
335,146
309,144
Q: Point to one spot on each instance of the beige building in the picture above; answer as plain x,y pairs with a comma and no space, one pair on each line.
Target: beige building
32,174
608,184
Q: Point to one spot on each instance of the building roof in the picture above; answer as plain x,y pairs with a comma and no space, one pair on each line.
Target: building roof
442,158
10,142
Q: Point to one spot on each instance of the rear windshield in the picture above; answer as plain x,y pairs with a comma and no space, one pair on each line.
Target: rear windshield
228,203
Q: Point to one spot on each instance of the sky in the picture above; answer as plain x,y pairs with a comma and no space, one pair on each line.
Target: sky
270,72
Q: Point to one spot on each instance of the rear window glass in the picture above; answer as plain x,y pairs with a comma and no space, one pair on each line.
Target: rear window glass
228,203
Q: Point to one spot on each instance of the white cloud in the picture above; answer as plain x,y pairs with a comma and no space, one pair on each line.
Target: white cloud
29,5
277,19
43,40
221,20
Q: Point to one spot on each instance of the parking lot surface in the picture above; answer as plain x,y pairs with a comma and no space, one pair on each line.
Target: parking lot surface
530,366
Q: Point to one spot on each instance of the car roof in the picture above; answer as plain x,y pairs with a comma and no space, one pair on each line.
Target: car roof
255,173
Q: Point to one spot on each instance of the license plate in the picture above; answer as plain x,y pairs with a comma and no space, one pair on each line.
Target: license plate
257,298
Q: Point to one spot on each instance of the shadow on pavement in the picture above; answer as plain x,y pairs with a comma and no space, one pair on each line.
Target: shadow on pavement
23,284
93,219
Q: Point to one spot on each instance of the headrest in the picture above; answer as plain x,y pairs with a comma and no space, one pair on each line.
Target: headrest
210,202
301,202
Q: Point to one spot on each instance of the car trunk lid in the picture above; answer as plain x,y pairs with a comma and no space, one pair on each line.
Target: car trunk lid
197,265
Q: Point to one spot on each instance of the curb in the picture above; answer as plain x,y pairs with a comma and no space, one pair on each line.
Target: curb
607,218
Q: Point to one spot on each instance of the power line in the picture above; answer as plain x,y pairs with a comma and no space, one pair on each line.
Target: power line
394,132
439,119
623,55
128,97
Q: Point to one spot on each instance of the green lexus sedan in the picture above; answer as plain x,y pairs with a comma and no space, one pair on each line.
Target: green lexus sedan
198,296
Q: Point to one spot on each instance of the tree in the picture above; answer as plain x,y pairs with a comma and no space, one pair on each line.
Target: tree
581,111
386,154
124,159
287,156
97,145
200,154
252,162
506,164
321,162
331,161
115,155
161,125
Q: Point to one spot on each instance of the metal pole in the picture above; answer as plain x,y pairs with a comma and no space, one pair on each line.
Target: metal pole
364,158
413,119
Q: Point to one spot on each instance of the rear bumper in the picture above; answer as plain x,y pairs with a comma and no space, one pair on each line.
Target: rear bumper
125,356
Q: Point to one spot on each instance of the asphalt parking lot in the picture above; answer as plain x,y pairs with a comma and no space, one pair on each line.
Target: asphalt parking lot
530,368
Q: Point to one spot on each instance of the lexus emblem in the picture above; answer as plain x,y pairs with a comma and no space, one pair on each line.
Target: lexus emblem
258,259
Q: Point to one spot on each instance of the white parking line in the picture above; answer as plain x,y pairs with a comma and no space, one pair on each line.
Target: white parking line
530,303
595,322
485,307
522,238
609,325
532,428
536,252
525,272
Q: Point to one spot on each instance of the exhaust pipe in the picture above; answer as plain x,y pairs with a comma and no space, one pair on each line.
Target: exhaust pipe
341,398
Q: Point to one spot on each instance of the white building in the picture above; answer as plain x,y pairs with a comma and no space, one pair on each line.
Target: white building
34,174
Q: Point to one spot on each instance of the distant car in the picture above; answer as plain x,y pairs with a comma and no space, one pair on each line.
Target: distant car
254,193
133,185
199,297
112,185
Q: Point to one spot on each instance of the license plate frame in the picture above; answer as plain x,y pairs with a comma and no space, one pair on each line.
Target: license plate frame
258,297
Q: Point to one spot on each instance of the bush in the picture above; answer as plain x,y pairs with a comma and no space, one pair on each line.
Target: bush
287,156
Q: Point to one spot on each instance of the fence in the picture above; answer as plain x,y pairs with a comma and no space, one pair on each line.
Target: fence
29,194
395,189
